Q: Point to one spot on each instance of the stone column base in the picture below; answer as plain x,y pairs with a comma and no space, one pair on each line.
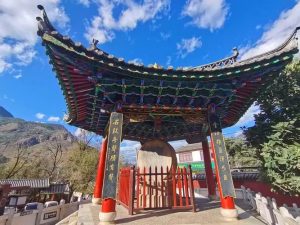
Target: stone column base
107,216
229,214
96,201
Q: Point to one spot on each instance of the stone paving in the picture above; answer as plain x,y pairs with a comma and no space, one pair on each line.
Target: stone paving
208,213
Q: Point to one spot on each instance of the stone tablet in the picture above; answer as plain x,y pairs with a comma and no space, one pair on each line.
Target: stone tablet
156,153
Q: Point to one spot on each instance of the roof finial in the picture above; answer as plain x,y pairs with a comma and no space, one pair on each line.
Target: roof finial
44,23
235,52
94,44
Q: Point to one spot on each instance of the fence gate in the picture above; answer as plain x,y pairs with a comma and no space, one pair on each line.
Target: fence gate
156,188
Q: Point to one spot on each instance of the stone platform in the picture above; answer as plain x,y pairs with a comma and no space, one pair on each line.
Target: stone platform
208,213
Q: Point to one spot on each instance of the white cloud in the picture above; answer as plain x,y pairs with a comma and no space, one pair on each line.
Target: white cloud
80,132
40,116
238,133
18,76
169,60
165,36
86,3
129,150
136,61
187,46
18,29
209,14
5,97
102,27
178,144
248,116
276,34
128,145
53,119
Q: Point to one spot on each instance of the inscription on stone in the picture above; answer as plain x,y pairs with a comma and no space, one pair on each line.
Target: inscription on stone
112,156
222,164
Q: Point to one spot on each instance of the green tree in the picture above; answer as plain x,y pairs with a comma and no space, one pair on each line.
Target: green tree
275,135
79,170
278,103
16,165
281,154
239,154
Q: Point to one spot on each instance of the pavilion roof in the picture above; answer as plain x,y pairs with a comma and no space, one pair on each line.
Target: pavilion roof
165,103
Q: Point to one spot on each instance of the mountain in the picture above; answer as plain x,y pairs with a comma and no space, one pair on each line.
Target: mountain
38,137
35,136
5,113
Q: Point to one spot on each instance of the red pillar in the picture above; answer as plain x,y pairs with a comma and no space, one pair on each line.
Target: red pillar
226,202
100,173
210,182
108,210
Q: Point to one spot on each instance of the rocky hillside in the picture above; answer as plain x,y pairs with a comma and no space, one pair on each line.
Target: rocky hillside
5,113
34,136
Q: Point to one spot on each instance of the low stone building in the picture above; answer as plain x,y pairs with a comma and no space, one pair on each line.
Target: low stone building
39,190
192,154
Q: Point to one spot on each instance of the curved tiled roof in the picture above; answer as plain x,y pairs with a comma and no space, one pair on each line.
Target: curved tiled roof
32,183
190,147
169,104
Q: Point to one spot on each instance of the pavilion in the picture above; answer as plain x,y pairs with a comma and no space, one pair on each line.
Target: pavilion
115,99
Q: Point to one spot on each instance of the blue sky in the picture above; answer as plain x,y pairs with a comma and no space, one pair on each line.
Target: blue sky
177,33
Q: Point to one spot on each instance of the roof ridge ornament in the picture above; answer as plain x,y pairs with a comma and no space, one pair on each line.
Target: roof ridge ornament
44,24
45,27
290,42
235,52
94,44
220,63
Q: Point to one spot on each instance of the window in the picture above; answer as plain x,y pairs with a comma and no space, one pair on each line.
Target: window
185,157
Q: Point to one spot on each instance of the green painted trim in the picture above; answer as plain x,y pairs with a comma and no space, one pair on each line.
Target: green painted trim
196,166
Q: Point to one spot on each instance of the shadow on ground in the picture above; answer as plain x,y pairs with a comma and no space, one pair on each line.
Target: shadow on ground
209,213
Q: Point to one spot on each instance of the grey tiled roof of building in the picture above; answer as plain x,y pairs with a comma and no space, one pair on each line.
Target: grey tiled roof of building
190,147
42,184
33,183
56,188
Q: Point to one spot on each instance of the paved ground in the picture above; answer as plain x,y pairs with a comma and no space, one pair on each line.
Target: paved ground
208,213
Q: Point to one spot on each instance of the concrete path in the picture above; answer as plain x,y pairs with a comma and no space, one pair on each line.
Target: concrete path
208,213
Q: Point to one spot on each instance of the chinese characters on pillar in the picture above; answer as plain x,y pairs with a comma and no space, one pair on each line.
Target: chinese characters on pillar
226,182
112,156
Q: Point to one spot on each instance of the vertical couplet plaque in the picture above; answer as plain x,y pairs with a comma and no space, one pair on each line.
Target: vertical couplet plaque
221,157
112,156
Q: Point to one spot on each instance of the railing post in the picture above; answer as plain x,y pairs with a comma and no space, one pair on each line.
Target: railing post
186,187
192,195
131,190
174,186
137,182
9,220
39,214
62,211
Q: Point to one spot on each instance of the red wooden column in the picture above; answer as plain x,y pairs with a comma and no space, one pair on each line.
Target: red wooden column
210,181
108,210
223,174
100,173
